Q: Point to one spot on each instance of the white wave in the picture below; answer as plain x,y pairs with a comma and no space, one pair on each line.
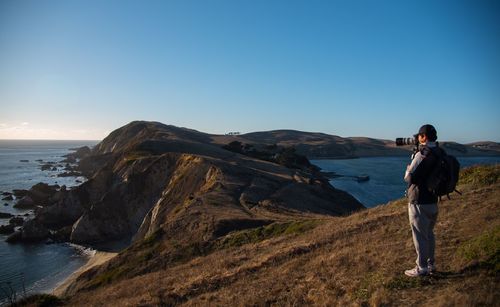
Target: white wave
83,250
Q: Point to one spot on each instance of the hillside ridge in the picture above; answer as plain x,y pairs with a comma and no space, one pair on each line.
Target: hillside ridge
314,145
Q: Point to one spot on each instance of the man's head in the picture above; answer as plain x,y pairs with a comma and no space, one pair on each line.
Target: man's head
426,133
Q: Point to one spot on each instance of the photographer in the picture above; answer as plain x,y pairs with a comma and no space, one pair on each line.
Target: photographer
422,204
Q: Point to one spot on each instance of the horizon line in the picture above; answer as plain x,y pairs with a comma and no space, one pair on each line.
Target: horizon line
97,140
86,140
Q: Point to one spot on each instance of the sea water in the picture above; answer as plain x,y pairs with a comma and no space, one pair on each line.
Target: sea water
386,176
39,267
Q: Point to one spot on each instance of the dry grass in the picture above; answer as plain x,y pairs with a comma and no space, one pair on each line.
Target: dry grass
341,261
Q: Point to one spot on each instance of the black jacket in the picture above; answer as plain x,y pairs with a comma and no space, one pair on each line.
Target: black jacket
417,187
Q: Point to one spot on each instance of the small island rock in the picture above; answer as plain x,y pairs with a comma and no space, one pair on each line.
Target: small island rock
25,203
16,221
5,215
7,229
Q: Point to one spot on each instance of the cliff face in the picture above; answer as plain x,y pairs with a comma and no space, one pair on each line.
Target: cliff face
148,177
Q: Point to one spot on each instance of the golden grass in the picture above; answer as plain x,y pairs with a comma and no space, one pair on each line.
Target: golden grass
342,261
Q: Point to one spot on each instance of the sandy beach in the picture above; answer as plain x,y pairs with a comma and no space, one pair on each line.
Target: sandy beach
99,258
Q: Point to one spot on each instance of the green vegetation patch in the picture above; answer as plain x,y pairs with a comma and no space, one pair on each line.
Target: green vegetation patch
107,277
484,249
262,233
404,282
136,154
185,253
152,239
40,300
242,237
286,156
368,285
480,175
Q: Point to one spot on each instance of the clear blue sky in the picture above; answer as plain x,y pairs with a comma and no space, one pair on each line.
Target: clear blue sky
79,69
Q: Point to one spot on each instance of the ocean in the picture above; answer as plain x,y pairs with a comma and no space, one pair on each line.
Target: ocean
34,268
386,176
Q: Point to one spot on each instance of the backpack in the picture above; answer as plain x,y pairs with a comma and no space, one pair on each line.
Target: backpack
443,178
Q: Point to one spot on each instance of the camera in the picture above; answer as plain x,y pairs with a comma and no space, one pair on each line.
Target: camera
406,141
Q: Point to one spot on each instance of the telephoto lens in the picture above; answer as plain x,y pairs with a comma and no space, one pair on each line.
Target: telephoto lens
406,141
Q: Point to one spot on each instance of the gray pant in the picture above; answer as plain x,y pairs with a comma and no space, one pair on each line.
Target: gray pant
422,221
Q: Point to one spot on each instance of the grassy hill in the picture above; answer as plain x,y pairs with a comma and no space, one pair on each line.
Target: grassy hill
358,259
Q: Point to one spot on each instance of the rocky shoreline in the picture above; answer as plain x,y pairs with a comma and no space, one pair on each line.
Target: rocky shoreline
27,227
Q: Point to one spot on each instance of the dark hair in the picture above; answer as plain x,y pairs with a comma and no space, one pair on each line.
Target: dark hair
429,131
432,137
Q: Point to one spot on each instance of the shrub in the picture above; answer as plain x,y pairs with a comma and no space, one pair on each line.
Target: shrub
234,146
480,175
266,232
369,283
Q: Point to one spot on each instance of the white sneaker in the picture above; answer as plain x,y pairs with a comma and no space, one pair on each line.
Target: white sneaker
415,272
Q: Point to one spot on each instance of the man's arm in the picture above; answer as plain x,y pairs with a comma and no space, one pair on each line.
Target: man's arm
411,168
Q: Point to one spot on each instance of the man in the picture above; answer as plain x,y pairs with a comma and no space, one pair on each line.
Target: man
422,204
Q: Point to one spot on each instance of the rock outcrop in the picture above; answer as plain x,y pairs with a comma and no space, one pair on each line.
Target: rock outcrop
41,194
25,203
32,231
7,229
78,154
5,215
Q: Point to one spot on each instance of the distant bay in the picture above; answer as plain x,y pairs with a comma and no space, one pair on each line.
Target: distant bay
386,176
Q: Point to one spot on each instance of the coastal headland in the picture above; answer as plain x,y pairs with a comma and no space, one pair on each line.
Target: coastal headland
176,198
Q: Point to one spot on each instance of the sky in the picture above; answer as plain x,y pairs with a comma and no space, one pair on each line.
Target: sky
80,69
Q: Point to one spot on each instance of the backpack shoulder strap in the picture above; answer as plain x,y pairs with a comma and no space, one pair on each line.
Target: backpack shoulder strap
425,151
437,151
